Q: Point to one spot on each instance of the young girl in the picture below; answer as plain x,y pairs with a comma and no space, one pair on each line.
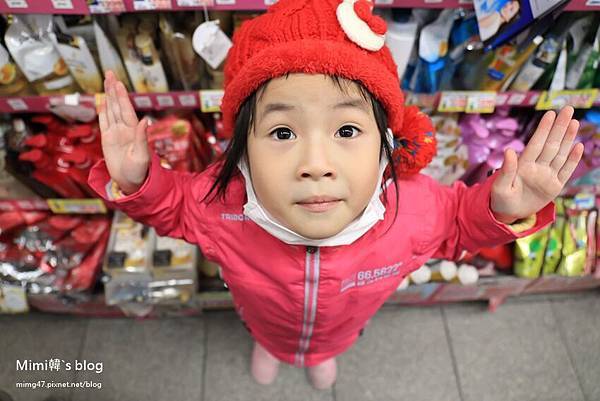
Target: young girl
317,212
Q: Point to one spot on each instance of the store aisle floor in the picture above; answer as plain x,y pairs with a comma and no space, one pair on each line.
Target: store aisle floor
537,348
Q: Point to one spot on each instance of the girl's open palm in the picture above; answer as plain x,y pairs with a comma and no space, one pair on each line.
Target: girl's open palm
528,183
124,142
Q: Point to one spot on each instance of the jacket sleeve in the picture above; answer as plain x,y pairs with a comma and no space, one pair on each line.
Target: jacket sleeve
169,201
464,220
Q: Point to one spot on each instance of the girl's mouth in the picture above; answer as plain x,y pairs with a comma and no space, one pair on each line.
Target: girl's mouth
319,204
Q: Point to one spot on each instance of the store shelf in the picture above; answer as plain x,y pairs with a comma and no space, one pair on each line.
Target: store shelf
149,101
117,6
44,6
493,290
574,5
60,206
209,100
487,101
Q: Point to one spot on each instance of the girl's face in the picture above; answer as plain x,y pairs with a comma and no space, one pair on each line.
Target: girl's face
313,153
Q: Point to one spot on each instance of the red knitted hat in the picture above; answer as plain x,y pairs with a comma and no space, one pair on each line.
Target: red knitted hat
330,37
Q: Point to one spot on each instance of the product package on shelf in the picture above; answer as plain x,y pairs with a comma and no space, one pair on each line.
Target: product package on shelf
450,55
565,248
452,158
12,80
186,70
587,174
435,50
53,157
109,57
30,45
143,269
75,50
486,137
51,254
171,138
499,21
10,187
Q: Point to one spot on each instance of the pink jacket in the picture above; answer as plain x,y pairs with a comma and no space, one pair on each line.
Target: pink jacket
308,304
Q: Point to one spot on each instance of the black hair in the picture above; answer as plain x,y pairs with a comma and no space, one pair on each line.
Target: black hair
236,149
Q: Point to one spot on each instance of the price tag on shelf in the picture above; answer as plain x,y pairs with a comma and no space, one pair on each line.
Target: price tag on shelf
9,205
411,99
142,102
385,2
77,206
6,206
31,204
194,3
420,99
501,99
481,102
72,99
16,3
165,100
427,100
140,5
62,4
106,6
210,100
225,2
17,104
452,102
516,99
188,100
13,299
579,99
533,98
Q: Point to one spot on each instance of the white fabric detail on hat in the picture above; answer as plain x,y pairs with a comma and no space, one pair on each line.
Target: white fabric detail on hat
356,29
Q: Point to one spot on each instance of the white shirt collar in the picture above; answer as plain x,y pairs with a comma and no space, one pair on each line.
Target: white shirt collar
374,212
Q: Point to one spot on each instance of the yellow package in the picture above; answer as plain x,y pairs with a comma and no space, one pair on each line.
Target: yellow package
12,80
555,240
574,244
529,254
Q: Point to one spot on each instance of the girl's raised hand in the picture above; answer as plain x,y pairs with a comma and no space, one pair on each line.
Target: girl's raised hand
528,183
124,142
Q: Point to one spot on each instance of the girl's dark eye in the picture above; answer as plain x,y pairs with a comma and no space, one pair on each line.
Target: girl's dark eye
348,131
283,134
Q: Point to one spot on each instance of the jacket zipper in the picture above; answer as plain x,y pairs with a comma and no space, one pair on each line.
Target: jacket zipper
311,287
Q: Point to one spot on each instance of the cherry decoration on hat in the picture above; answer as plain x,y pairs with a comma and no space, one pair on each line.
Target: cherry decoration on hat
360,25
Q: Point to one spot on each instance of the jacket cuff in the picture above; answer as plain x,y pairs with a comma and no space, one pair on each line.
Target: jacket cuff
101,182
523,224
520,228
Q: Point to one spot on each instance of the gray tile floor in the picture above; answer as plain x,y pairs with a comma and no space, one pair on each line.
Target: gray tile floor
537,348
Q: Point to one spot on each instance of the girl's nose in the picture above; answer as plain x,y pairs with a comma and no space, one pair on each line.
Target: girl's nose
315,163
